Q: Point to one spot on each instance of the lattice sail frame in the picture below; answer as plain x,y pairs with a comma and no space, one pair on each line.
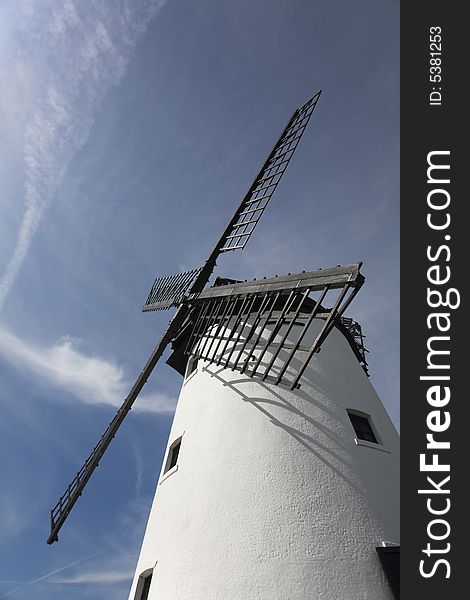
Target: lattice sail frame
265,183
169,291
249,327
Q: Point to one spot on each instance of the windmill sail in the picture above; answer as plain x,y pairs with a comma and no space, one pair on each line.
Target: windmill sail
168,291
265,183
171,291
231,327
66,502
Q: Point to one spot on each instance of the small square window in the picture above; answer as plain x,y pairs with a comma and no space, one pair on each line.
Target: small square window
363,427
192,366
143,586
390,559
146,588
173,455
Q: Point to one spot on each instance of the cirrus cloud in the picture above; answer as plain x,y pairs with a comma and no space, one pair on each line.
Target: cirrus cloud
89,378
62,98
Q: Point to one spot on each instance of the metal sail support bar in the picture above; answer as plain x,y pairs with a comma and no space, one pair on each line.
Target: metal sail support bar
296,346
224,307
322,335
335,278
198,325
254,203
169,291
254,325
288,329
237,322
274,300
289,300
66,502
242,323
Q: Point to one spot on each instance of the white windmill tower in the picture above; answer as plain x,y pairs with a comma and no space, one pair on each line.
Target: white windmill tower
280,478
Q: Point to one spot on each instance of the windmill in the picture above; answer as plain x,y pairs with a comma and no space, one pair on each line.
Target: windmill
266,332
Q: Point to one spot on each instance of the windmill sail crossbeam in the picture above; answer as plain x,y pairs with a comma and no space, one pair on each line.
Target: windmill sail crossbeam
265,183
259,329
315,280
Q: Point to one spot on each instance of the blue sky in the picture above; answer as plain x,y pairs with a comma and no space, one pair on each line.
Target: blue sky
129,131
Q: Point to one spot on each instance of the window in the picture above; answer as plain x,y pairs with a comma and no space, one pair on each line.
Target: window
192,366
143,585
173,455
363,427
146,587
390,559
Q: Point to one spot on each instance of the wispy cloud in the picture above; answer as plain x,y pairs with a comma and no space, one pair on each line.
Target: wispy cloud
91,577
91,379
49,574
87,49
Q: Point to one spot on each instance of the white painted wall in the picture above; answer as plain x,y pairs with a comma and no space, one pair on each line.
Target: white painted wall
272,498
